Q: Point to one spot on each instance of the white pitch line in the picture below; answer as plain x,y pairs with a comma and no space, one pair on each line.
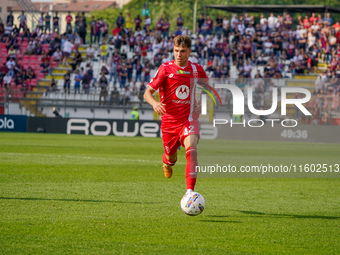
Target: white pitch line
80,157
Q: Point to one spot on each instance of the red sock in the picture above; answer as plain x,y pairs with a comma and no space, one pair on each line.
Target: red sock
190,173
168,162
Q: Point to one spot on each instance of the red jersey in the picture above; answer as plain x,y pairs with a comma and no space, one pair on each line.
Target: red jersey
177,91
69,19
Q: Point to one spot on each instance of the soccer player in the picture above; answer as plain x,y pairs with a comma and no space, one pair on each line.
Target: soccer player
176,81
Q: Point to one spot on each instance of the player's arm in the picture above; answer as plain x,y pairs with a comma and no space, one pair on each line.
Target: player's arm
157,106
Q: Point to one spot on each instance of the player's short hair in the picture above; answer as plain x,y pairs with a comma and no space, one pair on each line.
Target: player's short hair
182,40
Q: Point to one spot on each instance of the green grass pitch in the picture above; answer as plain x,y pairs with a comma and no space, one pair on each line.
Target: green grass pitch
76,194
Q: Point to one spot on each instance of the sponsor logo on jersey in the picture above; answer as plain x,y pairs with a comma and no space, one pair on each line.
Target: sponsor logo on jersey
183,72
182,92
171,75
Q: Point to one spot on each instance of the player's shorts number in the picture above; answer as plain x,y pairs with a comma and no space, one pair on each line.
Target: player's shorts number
191,130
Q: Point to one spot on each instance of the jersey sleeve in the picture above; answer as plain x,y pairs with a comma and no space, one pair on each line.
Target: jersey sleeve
158,79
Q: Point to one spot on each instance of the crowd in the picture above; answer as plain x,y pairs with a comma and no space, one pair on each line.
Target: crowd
132,49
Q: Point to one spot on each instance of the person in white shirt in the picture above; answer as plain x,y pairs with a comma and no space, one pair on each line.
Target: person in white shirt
272,21
268,47
186,32
250,29
10,63
7,82
225,23
247,69
147,23
90,53
234,22
263,20
57,55
300,32
67,50
241,27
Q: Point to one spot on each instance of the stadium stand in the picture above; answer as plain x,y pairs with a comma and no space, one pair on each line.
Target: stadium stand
239,50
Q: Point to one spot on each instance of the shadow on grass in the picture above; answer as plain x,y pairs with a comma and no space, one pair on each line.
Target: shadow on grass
221,221
73,200
294,216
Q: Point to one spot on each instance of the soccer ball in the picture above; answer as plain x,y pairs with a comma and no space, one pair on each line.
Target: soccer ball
192,203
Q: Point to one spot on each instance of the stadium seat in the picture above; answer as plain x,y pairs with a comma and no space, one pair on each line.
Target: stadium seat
40,76
34,82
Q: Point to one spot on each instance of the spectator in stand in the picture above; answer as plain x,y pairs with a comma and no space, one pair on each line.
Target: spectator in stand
105,29
129,68
52,87
78,19
328,20
30,74
138,22
114,73
67,50
18,79
142,89
2,29
126,97
46,68
93,25
114,97
26,33
186,31
200,22
165,29
47,19
159,26
11,72
10,63
123,76
103,89
56,23
77,80
69,19
104,52
7,82
147,23
22,21
40,25
272,20
179,21
11,52
120,21
147,70
210,24
10,19
7,33
90,53
82,31
76,61
57,55
67,82
178,31
129,22
315,56
86,80
116,31
219,26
